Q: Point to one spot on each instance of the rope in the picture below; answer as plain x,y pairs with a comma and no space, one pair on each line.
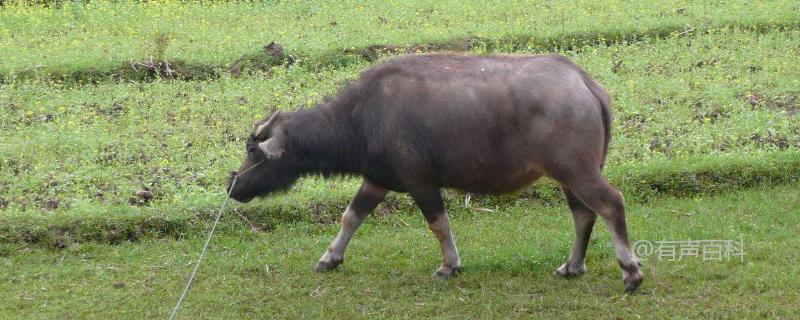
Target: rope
208,240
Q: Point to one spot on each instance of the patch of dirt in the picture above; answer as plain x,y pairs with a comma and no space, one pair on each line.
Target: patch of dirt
722,146
142,197
274,50
107,154
789,102
135,235
114,236
16,167
656,69
323,214
673,12
236,69
228,136
615,68
707,62
754,68
46,118
385,209
664,145
151,69
710,116
770,139
115,111
634,121
61,239
170,118
270,56
52,204
156,68
374,52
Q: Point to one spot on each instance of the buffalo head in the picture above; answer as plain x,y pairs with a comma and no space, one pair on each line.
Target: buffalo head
267,167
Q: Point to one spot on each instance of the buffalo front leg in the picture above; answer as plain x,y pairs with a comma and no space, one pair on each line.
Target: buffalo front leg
366,199
432,206
451,263
584,220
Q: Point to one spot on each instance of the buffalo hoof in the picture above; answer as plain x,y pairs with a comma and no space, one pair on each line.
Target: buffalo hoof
323,266
445,272
567,271
632,276
632,281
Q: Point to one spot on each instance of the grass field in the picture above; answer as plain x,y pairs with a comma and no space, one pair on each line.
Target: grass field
102,35
509,257
120,121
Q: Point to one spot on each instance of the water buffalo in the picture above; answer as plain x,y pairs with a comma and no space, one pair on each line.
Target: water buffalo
482,124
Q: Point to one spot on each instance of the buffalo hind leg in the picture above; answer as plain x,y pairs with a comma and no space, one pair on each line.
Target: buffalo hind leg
366,199
429,200
584,219
606,201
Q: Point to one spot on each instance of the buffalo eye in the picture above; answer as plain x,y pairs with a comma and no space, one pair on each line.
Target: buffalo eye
251,149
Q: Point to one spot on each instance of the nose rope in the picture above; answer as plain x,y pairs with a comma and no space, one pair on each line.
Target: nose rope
208,240
248,169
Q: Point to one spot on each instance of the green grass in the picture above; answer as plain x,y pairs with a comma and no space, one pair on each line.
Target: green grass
694,114
98,39
318,201
706,103
508,255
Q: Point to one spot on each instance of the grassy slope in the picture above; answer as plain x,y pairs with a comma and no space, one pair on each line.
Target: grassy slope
508,255
87,150
723,104
101,35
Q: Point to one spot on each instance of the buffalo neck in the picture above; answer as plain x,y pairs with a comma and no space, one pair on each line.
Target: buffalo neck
324,142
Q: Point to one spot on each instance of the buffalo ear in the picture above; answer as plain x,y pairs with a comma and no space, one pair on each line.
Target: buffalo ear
272,148
262,130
